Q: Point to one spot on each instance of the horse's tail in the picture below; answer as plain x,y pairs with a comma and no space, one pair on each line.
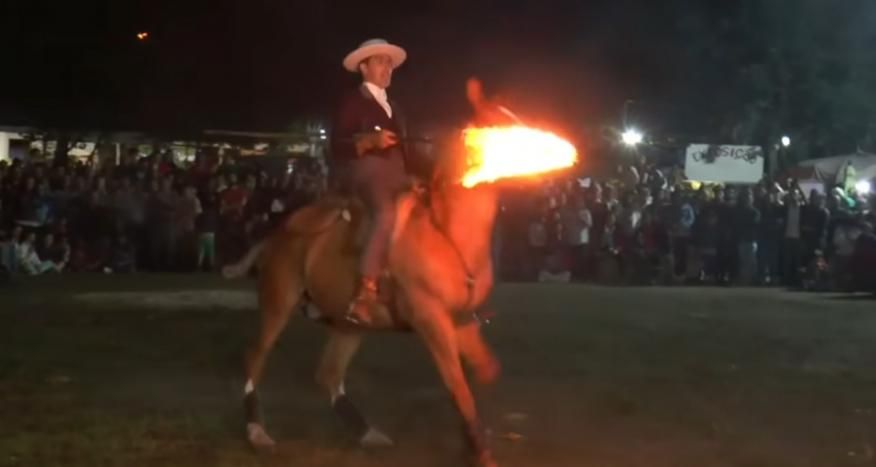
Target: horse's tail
308,221
242,267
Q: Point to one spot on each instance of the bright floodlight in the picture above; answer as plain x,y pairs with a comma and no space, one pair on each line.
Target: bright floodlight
786,141
863,187
631,137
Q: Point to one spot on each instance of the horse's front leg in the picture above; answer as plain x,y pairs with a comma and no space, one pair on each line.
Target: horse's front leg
436,329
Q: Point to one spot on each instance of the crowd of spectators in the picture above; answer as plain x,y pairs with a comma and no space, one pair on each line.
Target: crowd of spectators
148,213
642,225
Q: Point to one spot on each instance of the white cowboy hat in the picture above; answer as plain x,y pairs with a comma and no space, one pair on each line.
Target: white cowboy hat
373,47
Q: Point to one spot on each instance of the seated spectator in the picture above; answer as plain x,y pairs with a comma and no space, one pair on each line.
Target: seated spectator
28,259
54,250
81,259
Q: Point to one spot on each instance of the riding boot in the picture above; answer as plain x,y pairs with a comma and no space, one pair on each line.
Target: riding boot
365,298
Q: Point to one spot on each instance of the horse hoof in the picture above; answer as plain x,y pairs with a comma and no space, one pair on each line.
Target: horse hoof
259,438
375,439
484,459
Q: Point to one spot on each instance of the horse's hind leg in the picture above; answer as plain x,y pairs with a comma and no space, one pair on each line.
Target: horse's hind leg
280,290
336,357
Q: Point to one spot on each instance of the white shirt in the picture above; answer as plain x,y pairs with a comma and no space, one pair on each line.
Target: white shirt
380,96
587,219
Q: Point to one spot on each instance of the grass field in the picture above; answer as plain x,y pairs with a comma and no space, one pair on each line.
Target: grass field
591,377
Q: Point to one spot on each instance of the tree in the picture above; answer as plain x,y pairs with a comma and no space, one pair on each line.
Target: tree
765,69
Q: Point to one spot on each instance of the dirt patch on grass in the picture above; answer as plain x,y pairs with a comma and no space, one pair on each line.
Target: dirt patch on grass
183,300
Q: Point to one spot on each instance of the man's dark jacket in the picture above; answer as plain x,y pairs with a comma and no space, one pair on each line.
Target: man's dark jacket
357,113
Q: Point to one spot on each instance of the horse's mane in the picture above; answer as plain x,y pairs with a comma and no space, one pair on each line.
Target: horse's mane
449,165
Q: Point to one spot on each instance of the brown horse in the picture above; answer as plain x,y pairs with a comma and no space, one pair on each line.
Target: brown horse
439,273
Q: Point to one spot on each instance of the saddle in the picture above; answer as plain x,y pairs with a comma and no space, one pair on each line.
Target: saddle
351,210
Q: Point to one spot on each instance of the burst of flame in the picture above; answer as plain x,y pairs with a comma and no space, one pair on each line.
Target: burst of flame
503,152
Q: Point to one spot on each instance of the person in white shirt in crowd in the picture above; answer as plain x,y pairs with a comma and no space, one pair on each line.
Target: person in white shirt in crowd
30,262
576,223
188,210
630,214
792,250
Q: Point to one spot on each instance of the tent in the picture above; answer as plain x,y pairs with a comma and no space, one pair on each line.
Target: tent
827,169
816,173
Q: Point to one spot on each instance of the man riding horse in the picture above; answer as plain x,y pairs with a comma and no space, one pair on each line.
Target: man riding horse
367,153
439,255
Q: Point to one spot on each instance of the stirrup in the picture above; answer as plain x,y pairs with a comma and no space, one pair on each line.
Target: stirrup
357,318
364,298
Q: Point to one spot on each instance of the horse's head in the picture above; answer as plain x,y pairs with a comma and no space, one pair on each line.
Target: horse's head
495,146
485,114
498,146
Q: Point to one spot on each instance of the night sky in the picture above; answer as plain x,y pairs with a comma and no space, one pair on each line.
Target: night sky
260,64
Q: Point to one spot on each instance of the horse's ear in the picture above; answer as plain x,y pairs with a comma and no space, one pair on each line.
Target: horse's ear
486,112
474,91
483,109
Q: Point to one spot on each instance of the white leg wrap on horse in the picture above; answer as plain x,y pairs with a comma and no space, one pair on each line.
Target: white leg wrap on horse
338,392
249,388
375,438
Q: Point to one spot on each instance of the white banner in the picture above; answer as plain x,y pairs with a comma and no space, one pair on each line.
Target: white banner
725,164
